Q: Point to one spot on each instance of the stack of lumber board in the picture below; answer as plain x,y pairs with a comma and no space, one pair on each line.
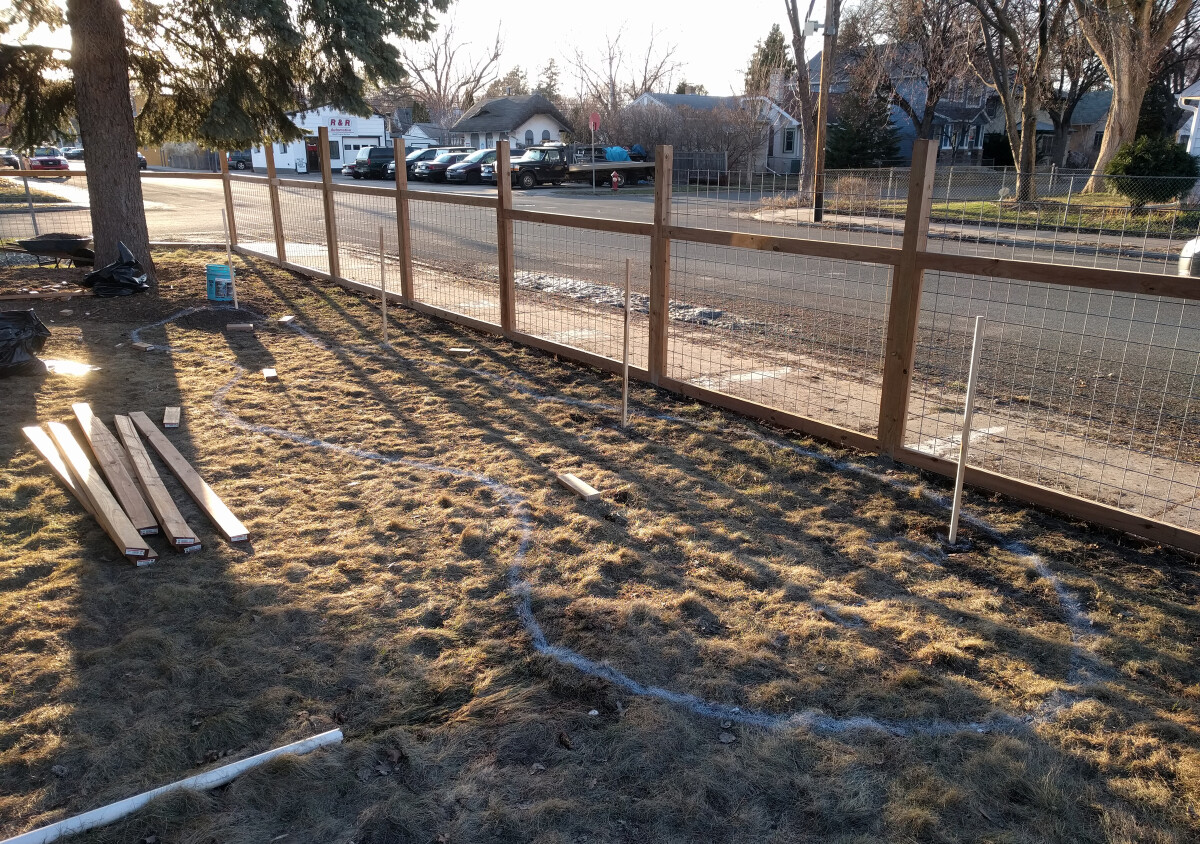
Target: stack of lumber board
123,490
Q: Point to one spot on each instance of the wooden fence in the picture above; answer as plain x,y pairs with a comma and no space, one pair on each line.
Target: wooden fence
908,264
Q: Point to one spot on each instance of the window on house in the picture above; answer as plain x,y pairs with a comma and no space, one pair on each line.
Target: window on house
283,149
475,140
1099,139
946,139
545,136
335,150
528,137
789,140
488,138
771,141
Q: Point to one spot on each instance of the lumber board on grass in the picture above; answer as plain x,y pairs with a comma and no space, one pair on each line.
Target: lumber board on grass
204,496
270,374
117,468
580,488
107,511
58,294
49,451
179,533
240,326
170,418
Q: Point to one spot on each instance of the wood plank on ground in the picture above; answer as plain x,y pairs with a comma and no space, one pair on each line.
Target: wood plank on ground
173,524
107,511
46,447
580,488
170,417
208,501
117,467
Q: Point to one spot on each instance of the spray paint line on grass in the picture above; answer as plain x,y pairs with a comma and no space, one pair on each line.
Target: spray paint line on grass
810,719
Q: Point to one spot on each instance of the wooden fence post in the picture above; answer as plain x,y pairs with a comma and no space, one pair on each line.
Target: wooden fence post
402,231
227,185
504,239
276,210
331,238
901,344
660,263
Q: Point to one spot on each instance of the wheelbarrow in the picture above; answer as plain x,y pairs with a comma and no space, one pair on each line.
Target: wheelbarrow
60,247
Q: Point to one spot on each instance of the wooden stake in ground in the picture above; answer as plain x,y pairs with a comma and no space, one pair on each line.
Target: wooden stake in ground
117,467
170,419
383,286
208,501
965,445
46,447
229,258
625,353
173,524
107,511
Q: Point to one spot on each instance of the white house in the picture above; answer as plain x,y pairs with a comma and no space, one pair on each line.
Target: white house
348,133
523,121
1189,133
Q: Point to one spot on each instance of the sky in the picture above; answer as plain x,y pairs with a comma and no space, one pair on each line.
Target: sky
713,41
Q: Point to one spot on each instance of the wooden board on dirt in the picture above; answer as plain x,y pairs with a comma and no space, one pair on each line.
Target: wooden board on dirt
46,447
117,468
204,496
107,511
240,326
179,533
57,294
270,374
170,417
580,488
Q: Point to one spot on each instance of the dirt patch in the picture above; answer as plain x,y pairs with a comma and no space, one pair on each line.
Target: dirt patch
931,696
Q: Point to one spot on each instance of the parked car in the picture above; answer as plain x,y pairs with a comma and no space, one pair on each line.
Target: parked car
73,153
468,170
428,154
48,158
142,161
9,158
435,170
371,163
241,160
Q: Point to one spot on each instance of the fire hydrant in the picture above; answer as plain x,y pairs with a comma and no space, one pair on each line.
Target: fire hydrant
616,180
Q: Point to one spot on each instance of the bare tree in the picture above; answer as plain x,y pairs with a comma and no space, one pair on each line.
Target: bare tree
445,77
926,51
1179,64
804,107
612,77
1129,36
1075,71
737,131
1016,50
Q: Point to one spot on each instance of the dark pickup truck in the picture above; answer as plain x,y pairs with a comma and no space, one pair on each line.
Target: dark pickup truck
551,163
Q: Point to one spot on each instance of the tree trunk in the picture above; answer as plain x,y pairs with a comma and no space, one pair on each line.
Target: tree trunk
100,66
1062,136
1027,160
1129,89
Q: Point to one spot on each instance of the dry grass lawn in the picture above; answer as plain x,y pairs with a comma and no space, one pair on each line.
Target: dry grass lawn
723,564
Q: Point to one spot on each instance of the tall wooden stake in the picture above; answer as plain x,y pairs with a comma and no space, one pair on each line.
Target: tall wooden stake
402,235
965,445
625,353
331,238
383,286
660,263
229,257
905,309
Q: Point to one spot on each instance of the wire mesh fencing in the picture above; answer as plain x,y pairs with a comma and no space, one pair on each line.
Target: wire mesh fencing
571,288
455,265
252,215
1064,217
799,334
35,206
1089,392
359,220
303,216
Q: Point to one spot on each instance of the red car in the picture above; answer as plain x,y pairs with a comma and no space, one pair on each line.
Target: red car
48,158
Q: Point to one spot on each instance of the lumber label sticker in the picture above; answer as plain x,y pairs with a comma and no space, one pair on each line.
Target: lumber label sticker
148,531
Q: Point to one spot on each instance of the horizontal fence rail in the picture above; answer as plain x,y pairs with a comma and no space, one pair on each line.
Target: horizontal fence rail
1091,373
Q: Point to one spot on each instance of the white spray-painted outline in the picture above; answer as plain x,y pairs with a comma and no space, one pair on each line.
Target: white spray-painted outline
813,720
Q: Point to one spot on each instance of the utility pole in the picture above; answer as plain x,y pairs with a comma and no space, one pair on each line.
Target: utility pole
833,10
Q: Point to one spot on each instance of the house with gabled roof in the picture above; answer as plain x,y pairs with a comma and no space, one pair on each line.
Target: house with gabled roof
522,120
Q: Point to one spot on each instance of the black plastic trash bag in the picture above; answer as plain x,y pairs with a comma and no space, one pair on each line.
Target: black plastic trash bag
123,277
22,336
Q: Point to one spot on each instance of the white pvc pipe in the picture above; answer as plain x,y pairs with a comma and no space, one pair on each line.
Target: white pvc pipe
625,354
209,779
965,445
